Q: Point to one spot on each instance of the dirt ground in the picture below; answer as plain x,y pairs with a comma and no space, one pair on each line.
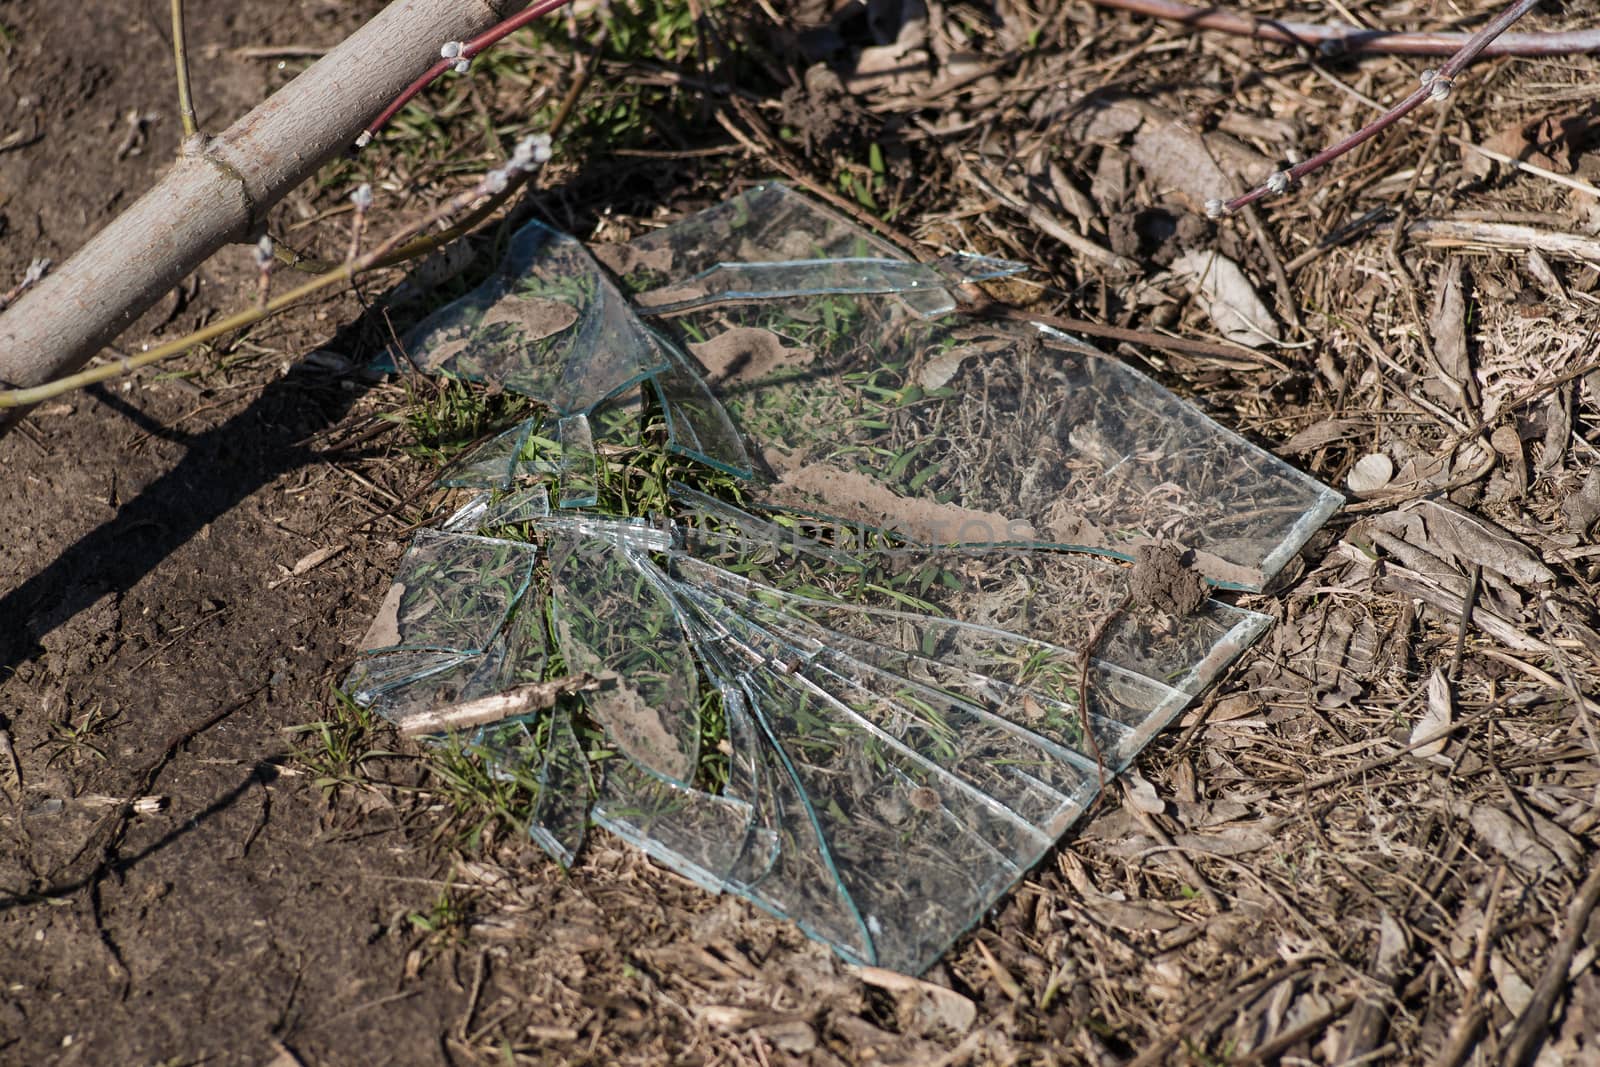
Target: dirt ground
1289,878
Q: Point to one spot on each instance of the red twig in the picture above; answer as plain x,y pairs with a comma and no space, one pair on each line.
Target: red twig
1348,40
463,55
1435,86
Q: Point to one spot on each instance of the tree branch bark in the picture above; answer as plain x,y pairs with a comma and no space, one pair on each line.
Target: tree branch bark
222,190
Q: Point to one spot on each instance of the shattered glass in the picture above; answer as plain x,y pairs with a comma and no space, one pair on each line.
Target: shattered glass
985,434
451,594
547,324
727,282
577,468
611,619
873,697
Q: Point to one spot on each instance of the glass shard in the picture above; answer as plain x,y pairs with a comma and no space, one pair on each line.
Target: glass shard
561,813
461,681
578,468
375,674
697,425
614,622
547,324
491,465
450,594
517,507
730,282
697,834
917,855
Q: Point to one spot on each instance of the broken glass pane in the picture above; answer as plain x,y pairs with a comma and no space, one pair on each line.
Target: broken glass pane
491,465
578,468
547,324
728,282
451,593
697,425
561,812
611,619
958,433
909,725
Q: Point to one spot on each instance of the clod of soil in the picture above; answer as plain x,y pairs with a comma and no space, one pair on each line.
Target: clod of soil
1164,580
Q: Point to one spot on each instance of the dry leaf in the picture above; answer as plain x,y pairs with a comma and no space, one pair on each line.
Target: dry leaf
1582,508
1448,324
923,1005
1173,155
1465,539
536,318
1371,473
1511,839
1439,713
1229,300
385,629
1235,840
1141,794
1322,432
747,354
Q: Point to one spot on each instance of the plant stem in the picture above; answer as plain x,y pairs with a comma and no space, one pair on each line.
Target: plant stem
1435,85
421,246
471,48
180,56
1351,40
13,398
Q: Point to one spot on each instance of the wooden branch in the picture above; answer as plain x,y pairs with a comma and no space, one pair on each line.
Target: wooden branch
535,696
222,189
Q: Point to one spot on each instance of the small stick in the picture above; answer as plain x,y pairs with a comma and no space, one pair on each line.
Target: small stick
1435,86
180,57
1353,40
457,56
1533,1025
1465,1031
1468,602
362,199
497,708
1085,669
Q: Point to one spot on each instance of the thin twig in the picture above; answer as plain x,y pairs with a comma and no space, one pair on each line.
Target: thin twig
461,55
430,242
1533,1026
1473,1012
1435,85
180,57
494,183
1349,40
524,699
1085,669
